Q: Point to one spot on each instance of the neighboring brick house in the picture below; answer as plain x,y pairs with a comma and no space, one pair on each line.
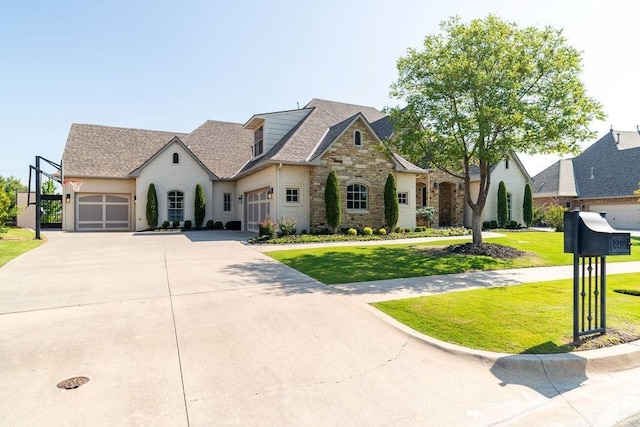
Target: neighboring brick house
273,166
601,179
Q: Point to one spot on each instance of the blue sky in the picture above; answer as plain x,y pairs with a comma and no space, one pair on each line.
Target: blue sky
168,65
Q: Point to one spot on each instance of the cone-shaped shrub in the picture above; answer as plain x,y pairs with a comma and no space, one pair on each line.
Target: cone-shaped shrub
332,201
200,207
152,206
503,213
527,206
391,208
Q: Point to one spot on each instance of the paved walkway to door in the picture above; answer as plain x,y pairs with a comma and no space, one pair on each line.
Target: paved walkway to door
199,329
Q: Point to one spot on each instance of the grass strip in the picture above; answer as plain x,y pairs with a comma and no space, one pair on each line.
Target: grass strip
530,318
16,242
347,264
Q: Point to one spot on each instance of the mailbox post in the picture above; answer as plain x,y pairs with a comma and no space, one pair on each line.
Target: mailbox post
590,238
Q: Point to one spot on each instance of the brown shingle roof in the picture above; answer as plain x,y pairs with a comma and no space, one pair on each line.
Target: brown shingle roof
222,146
104,151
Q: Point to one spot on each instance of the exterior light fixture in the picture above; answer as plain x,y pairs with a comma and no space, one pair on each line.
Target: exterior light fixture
436,185
135,199
240,198
270,193
68,198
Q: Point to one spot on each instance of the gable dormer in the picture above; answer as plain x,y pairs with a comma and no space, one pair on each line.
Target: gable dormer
270,128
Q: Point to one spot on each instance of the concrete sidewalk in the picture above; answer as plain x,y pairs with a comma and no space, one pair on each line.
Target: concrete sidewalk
410,287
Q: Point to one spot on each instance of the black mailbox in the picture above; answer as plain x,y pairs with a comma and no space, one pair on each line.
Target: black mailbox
595,236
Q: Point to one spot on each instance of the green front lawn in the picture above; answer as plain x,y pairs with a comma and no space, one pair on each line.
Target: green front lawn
16,242
334,265
531,318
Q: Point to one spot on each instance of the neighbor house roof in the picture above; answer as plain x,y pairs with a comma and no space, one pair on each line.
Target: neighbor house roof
615,159
608,168
555,181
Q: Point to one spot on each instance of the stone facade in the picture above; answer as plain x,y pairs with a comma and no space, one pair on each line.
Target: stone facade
366,164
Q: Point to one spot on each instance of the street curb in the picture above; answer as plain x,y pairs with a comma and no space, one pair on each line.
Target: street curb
603,360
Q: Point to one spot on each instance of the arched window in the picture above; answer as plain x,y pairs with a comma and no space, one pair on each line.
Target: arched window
176,206
176,158
357,138
357,196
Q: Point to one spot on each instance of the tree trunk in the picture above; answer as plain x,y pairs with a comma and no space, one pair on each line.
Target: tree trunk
476,226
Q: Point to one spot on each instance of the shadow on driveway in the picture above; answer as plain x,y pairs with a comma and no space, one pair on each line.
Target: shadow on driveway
548,374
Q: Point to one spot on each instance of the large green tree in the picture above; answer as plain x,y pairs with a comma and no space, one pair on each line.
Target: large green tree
332,201
10,186
5,210
478,91
391,208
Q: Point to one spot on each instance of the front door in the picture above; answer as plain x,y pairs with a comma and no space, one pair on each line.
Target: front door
446,204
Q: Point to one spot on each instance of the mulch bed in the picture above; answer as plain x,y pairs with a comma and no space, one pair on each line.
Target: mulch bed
492,250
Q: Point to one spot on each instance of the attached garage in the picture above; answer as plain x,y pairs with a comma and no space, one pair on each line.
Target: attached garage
103,212
258,209
624,216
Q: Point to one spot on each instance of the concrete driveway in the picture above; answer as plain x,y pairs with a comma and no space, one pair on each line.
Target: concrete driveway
198,329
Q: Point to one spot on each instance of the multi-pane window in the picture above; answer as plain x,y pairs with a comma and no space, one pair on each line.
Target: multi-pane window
403,198
292,195
176,206
258,141
226,204
357,138
356,196
509,206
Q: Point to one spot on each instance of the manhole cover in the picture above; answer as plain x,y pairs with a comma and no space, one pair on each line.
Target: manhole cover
71,383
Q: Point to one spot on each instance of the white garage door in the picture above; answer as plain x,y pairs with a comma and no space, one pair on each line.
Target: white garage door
258,207
102,212
620,216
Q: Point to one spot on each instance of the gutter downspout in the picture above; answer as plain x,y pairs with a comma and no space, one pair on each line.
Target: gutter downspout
277,191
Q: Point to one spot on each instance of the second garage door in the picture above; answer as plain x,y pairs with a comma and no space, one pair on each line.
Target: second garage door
620,216
103,212
258,209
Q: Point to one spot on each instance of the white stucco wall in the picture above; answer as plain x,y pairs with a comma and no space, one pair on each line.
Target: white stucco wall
219,188
168,176
94,186
514,179
293,177
406,183
26,213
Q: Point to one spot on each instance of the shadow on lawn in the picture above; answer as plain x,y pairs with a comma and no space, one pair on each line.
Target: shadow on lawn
548,374
383,263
